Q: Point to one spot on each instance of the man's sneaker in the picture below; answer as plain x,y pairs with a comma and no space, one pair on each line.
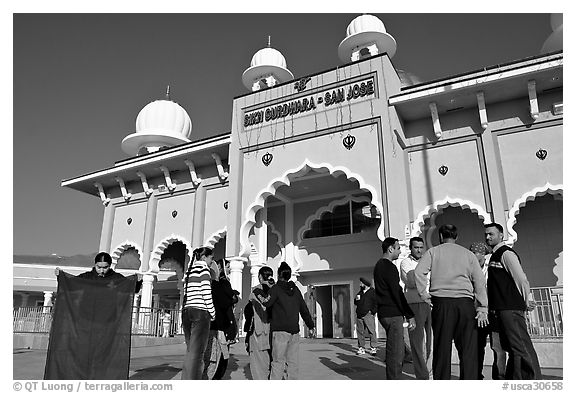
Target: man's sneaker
360,351
373,351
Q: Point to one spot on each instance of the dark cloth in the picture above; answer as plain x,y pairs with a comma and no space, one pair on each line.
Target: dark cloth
223,299
389,295
366,303
110,274
499,365
394,345
503,294
286,303
196,326
91,327
522,359
454,319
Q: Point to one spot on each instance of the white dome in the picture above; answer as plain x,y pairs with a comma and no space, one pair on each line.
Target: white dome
554,42
268,57
364,31
164,117
159,124
365,23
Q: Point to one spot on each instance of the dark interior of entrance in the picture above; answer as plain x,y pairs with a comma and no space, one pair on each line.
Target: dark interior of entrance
333,308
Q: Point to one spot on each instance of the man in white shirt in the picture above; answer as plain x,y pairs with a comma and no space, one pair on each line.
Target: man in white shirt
421,336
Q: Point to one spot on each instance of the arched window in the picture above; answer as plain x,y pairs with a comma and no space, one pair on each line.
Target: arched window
348,218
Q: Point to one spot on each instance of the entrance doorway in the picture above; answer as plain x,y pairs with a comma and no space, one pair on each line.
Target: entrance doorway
331,310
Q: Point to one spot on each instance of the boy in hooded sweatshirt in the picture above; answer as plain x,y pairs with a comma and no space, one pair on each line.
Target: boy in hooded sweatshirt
287,304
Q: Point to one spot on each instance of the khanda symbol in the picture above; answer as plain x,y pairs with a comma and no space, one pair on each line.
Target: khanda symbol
541,154
443,170
349,141
267,159
301,84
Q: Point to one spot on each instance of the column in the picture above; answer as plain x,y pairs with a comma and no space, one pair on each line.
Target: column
145,312
235,180
236,268
290,248
107,227
149,229
47,300
135,310
199,217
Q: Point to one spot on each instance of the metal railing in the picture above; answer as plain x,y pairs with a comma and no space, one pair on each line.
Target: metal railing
545,321
145,321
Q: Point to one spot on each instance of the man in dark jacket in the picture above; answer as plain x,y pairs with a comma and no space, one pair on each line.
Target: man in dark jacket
366,307
392,307
287,304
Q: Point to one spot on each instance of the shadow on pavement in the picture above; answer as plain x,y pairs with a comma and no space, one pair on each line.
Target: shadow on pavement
161,371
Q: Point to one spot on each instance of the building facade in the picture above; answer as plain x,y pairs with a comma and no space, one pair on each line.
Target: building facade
317,170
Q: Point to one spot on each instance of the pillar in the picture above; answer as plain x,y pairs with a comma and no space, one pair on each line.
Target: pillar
236,268
48,298
146,291
199,217
107,227
149,229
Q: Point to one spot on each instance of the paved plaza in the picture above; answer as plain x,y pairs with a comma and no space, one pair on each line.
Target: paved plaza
320,359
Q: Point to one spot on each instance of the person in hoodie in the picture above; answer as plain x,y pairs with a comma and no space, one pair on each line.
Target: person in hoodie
287,304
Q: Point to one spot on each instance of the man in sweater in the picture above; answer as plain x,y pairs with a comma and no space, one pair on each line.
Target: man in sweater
365,302
287,304
421,336
455,280
392,307
509,298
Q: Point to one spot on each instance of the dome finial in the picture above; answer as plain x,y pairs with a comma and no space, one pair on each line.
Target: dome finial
168,93
268,41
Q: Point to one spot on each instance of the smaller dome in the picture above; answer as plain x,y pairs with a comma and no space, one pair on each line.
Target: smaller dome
161,123
267,57
164,117
365,23
554,42
364,31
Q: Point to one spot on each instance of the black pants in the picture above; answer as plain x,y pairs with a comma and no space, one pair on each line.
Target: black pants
454,319
196,326
522,359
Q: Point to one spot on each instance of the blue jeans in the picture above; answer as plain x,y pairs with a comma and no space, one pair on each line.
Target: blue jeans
196,326
284,355
365,327
394,345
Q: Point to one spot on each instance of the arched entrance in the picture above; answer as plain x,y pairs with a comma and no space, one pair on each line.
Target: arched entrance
325,225
470,226
539,229
169,285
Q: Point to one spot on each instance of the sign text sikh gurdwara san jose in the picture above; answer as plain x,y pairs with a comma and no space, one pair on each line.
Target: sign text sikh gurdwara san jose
349,92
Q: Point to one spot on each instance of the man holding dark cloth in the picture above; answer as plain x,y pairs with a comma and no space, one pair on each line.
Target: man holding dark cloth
456,280
365,302
392,307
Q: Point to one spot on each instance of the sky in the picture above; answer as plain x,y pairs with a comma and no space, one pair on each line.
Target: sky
80,79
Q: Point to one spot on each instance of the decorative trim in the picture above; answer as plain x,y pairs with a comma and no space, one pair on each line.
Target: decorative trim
126,244
147,190
156,255
222,174
169,183
429,210
125,193
435,119
196,180
482,109
534,112
285,180
215,237
323,209
553,189
105,200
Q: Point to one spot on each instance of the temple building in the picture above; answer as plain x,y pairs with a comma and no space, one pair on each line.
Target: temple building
318,169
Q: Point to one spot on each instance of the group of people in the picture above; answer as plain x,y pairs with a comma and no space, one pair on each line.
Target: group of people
451,294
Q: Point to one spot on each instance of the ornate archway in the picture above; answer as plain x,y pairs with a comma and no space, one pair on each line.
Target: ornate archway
156,255
125,245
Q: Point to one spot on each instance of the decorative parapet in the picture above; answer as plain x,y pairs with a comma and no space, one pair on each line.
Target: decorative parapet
119,249
284,180
441,204
553,189
215,237
156,255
